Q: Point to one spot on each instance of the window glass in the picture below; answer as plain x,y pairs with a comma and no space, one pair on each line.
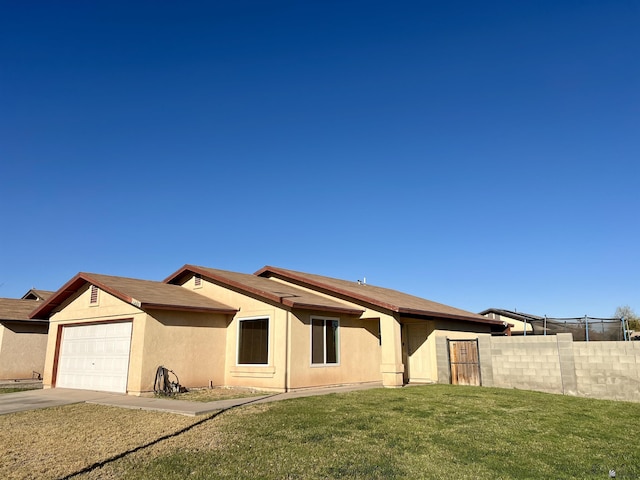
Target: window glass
324,341
317,343
332,341
253,342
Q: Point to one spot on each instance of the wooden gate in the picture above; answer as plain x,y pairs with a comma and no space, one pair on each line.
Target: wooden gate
465,362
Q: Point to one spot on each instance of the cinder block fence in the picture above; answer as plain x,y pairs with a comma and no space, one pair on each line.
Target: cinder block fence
554,364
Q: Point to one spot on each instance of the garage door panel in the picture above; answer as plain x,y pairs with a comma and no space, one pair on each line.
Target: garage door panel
95,357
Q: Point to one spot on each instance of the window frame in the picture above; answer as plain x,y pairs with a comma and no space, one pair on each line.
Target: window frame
238,338
324,341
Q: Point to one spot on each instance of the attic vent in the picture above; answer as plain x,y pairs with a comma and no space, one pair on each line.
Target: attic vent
198,280
94,295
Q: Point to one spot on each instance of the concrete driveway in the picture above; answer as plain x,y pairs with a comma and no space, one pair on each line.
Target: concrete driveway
34,399
55,397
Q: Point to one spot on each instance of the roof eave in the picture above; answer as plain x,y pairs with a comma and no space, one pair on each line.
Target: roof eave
227,282
425,313
324,308
23,320
187,308
340,291
58,298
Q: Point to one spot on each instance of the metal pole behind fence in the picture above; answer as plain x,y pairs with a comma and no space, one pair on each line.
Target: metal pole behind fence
586,327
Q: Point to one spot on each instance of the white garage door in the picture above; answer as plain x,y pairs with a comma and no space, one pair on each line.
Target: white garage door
95,357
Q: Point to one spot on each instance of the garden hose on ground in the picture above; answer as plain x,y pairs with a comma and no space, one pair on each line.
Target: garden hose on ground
163,384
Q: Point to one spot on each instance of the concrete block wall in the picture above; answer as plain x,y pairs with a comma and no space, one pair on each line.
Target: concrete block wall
529,363
555,364
608,370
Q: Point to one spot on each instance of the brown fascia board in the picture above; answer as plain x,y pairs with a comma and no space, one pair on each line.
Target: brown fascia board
186,308
394,308
81,278
422,313
47,306
68,289
224,281
284,300
323,308
35,321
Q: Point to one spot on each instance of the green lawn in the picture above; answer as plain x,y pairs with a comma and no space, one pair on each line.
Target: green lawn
433,432
17,389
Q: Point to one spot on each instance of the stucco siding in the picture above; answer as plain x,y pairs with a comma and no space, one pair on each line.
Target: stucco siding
420,351
358,347
22,350
190,344
77,310
271,376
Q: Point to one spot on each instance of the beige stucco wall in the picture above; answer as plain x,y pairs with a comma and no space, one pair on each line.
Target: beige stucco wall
420,354
190,344
358,346
78,310
268,377
22,350
518,326
290,345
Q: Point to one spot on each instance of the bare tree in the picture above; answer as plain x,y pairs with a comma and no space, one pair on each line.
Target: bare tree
626,312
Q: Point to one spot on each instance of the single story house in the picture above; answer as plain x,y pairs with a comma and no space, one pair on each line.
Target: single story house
518,321
23,340
39,295
276,330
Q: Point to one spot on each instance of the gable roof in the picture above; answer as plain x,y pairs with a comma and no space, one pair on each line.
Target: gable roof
34,294
386,298
520,316
14,309
144,294
264,288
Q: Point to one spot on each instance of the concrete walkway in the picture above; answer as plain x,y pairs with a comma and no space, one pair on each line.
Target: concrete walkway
54,397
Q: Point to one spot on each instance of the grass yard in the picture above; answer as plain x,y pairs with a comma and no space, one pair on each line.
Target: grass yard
13,389
55,442
431,432
19,387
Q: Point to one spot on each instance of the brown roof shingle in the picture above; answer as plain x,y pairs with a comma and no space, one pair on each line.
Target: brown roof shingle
140,293
267,289
370,294
16,309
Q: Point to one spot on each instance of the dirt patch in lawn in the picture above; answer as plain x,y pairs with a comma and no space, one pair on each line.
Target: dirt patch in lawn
55,442
217,393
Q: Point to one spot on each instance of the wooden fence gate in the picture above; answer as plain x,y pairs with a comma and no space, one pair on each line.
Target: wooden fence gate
465,362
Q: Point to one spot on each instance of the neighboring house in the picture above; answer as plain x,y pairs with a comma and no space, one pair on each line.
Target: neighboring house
518,321
277,330
23,340
34,294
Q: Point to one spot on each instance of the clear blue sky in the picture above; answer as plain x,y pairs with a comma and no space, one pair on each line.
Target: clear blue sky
479,154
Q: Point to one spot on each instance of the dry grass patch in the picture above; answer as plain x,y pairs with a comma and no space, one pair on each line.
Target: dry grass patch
55,442
217,393
210,436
